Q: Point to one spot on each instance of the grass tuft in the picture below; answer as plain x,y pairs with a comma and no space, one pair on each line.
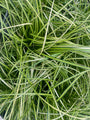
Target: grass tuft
45,59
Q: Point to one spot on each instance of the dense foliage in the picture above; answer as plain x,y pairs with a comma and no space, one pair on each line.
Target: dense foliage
45,59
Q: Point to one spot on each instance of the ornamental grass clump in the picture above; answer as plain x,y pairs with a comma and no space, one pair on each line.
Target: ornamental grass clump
45,59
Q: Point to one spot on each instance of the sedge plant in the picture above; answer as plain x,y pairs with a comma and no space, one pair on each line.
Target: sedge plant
45,59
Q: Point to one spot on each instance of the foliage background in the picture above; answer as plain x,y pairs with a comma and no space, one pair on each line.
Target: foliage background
45,59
